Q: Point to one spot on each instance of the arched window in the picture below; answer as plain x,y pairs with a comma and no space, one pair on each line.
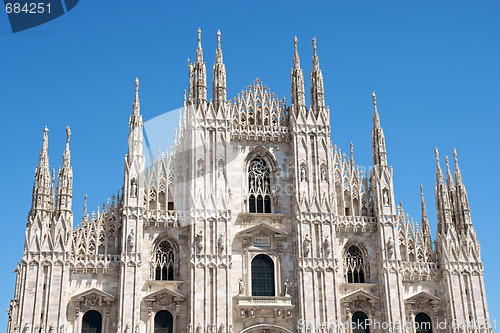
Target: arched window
259,186
360,323
354,265
423,323
91,322
164,261
262,276
163,322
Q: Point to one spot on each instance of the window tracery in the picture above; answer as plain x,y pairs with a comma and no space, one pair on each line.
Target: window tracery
164,261
354,265
259,186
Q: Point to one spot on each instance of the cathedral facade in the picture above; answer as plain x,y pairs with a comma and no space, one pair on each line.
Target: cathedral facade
253,222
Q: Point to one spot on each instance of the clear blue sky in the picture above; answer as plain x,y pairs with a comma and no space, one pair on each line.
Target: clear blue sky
433,64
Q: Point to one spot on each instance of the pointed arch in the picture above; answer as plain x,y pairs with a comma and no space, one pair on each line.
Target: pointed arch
356,263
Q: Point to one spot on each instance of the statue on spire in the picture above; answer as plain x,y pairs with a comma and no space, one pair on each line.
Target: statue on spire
68,134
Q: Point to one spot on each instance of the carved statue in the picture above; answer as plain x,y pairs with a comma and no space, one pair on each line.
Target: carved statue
133,188
303,175
276,195
177,268
390,246
220,243
327,245
386,197
323,173
307,245
130,240
199,240
286,288
201,167
241,285
27,328
221,167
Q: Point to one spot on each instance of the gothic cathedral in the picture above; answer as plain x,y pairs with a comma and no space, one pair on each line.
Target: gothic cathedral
252,223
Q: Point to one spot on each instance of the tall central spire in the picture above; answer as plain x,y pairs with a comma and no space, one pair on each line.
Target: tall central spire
219,83
378,139
135,137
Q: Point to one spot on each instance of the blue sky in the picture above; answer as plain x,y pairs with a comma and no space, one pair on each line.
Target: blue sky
433,64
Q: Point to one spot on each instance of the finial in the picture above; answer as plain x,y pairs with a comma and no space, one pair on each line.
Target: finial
447,163
421,190
199,36
352,148
45,139
374,98
436,153
136,86
455,156
218,39
314,45
68,134
295,40
85,208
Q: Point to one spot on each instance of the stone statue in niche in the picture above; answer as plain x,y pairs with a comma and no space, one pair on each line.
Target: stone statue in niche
275,195
286,287
327,245
199,240
323,174
220,243
177,266
307,245
221,166
201,167
303,173
390,246
385,195
130,240
241,287
133,188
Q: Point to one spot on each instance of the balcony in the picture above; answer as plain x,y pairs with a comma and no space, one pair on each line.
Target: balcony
260,302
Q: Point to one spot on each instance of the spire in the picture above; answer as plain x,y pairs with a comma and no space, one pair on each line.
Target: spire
458,174
378,139
296,59
449,178
65,181
462,212
443,203
199,50
137,104
317,89
200,77
297,78
85,216
439,173
135,137
425,220
43,181
219,82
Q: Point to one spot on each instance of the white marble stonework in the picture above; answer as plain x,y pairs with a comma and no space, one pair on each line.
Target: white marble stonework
254,222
